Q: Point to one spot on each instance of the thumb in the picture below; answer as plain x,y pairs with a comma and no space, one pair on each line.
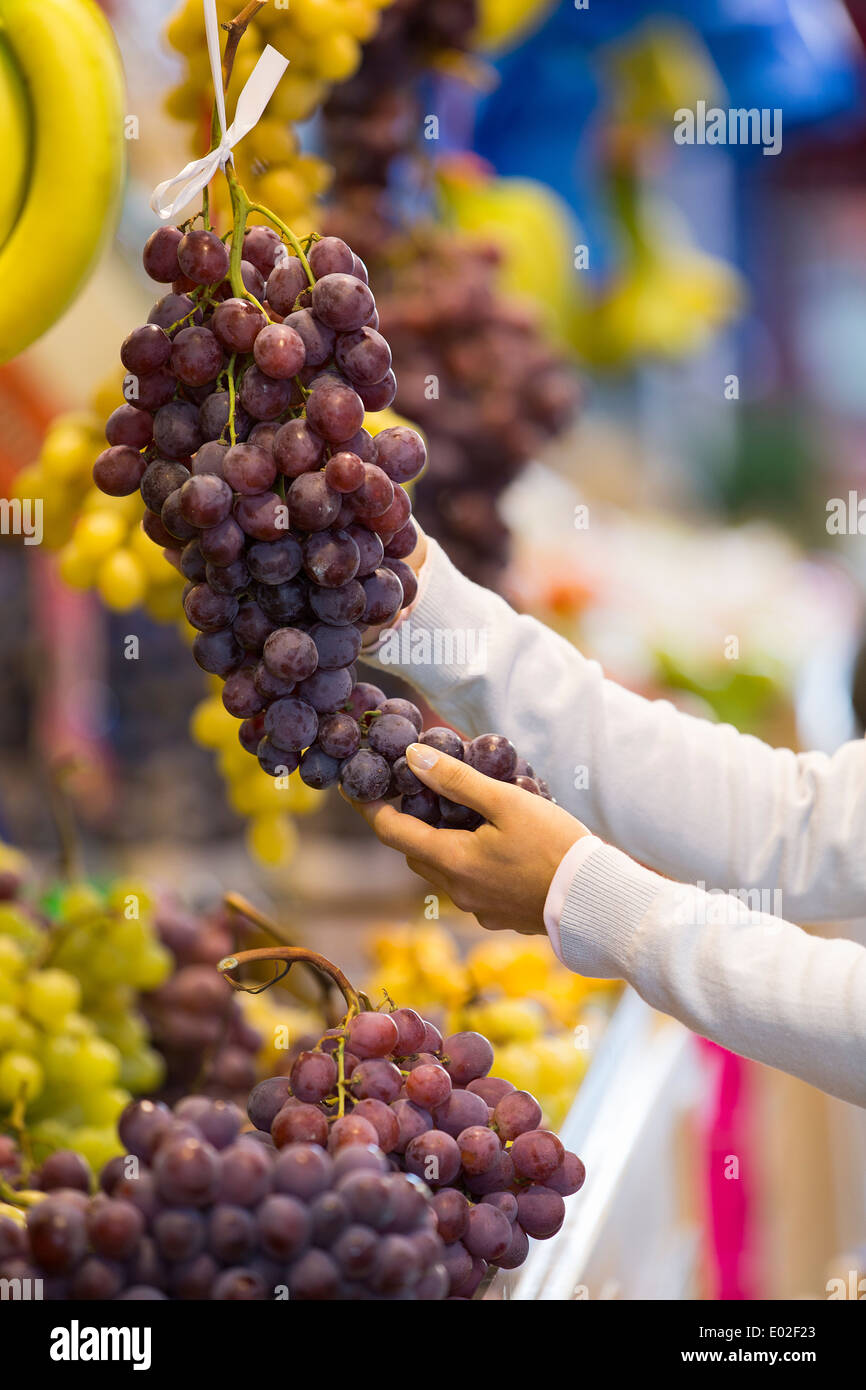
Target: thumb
456,780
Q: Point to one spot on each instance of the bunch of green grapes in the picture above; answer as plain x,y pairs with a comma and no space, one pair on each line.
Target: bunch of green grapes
73,1045
322,40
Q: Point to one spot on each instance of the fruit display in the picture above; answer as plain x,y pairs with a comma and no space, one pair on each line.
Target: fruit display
388,1164
62,100
74,1044
540,1018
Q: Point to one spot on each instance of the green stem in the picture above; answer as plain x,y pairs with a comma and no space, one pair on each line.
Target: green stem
287,233
231,371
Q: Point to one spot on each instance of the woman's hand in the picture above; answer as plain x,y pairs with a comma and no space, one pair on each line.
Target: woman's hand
500,872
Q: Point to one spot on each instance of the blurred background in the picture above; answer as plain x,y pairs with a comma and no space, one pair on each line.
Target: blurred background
653,474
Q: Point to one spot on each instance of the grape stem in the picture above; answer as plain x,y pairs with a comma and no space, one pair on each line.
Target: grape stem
317,965
292,955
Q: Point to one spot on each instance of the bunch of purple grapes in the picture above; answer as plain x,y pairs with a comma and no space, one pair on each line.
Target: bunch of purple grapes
197,1209
243,430
376,116
195,1020
388,1165
382,730
496,1177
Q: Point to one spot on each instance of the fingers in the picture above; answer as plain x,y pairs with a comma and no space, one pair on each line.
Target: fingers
454,779
403,833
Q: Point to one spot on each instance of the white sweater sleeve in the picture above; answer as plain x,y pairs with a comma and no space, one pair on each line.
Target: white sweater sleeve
750,981
694,800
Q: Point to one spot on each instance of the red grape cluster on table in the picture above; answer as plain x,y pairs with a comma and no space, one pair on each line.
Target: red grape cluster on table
388,1165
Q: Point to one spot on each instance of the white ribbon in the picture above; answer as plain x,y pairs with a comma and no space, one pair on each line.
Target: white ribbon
175,193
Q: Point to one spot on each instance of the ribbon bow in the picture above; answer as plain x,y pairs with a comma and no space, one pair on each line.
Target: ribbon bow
168,197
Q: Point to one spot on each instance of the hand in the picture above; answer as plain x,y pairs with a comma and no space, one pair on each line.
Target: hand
500,872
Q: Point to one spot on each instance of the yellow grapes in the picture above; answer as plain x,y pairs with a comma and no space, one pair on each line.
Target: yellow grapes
322,40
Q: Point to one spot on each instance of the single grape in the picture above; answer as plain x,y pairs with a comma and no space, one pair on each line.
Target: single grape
342,302
355,1250
202,257
372,1034
401,453
264,249
488,1233
114,1228
330,256
341,606
460,1110
299,1124
174,310
283,1225
207,610
279,351
326,691
251,627
159,480
377,1079
145,349
491,1089
317,770
337,647
540,1211
493,755
285,283
339,734
331,558
382,1118
274,562
434,1156
313,1277
516,1113
335,411
159,256
313,505
363,356
365,776
291,724
176,430
57,1230
263,397
130,426
237,323
196,355
536,1154
569,1177
248,468
350,1130
428,1086
297,448
303,1170
379,396
479,1149
264,517
390,735
119,470
365,697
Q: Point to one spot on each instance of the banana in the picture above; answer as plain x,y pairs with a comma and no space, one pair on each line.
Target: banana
66,54
15,122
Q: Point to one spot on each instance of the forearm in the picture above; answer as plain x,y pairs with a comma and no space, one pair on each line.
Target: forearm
694,800
748,980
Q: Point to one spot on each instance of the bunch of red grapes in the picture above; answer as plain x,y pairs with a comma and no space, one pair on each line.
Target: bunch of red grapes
243,431
389,1165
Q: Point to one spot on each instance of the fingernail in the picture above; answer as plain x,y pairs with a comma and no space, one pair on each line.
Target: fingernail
419,755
